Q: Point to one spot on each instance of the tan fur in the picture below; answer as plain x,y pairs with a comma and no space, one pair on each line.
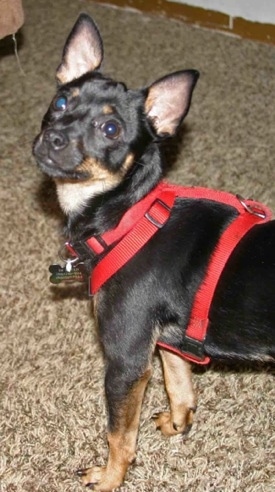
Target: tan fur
107,109
128,162
75,92
122,442
73,195
178,382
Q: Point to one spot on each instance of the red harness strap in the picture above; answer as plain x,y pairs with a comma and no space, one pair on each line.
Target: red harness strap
145,218
152,220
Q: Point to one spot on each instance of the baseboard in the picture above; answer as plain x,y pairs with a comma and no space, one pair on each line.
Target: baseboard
201,17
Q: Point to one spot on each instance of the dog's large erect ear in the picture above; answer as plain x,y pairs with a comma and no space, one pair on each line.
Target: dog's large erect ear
83,50
168,101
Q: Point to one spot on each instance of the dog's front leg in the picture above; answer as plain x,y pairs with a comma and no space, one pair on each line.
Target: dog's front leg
124,399
179,387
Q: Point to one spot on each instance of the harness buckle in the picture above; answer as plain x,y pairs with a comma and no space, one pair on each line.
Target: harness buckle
193,347
80,250
251,209
162,213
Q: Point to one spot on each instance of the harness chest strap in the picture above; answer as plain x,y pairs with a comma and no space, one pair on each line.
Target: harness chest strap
131,243
152,213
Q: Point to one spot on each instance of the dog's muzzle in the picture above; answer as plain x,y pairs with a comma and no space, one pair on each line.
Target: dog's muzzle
55,140
55,154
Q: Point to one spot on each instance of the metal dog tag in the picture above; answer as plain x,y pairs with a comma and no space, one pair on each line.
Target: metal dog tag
67,273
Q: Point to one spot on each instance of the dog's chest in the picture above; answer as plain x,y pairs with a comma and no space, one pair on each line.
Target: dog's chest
73,197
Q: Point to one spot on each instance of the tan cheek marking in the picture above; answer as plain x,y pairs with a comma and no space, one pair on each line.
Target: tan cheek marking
98,172
128,162
89,165
73,194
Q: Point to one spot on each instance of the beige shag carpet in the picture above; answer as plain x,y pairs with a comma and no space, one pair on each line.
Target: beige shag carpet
52,413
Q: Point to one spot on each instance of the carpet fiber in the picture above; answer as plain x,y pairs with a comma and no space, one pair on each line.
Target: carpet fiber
52,410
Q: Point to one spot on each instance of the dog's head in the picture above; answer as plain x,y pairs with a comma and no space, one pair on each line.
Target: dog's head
96,130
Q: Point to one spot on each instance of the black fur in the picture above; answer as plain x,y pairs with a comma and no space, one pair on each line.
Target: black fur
155,290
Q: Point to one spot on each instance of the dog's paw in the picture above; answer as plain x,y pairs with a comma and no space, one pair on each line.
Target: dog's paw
169,427
97,478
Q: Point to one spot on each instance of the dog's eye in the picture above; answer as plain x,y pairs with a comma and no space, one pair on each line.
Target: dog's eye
60,103
111,129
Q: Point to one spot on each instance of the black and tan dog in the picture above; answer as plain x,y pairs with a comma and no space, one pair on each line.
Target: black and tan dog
100,142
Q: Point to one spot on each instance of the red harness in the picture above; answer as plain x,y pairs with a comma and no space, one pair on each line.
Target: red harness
149,215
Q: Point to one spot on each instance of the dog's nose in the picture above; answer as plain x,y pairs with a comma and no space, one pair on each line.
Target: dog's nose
56,139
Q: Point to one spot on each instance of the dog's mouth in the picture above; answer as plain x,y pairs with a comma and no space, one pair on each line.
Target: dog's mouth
49,166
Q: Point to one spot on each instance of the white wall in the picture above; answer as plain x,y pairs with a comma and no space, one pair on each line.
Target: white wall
253,10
